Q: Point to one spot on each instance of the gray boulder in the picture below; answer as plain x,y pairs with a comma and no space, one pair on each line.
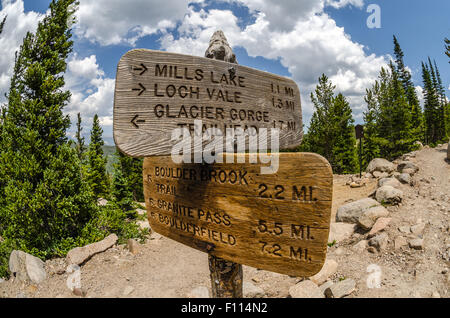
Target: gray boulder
381,165
380,241
405,178
407,165
370,216
306,289
26,267
252,291
351,212
389,195
340,231
341,289
79,255
393,182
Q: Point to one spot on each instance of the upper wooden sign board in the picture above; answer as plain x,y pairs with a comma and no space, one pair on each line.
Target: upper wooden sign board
157,92
278,222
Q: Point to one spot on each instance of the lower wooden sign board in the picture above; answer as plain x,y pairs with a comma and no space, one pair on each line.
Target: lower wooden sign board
277,222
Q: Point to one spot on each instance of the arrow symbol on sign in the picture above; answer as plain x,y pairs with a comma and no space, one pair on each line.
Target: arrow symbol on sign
143,69
135,122
141,90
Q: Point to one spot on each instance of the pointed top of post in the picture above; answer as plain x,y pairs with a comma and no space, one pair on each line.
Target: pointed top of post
219,49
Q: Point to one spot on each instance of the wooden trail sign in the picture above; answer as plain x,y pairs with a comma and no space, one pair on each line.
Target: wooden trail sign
278,222
157,92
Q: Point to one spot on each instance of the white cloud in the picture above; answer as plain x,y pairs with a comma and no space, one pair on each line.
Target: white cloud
18,23
420,95
314,45
116,21
92,93
342,3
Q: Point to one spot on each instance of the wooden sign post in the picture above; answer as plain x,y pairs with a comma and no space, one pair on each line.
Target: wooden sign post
278,222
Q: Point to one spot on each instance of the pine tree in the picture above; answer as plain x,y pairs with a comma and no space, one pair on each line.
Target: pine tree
344,150
331,130
435,104
96,175
447,47
431,106
81,148
2,24
321,130
121,188
43,199
442,112
410,92
132,171
371,143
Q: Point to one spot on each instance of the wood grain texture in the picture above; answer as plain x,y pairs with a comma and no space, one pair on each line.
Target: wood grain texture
277,222
157,92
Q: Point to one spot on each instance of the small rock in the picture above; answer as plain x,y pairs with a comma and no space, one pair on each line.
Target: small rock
418,229
79,292
419,145
329,268
416,244
405,229
79,255
379,242
102,202
340,232
128,290
372,249
199,292
389,195
325,285
26,267
141,212
379,226
399,242
252,291
360,246
365,222
356,185
143,224
306,289
341,289
133,246
405,178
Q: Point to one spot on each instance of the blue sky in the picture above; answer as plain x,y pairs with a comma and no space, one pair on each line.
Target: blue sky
297,39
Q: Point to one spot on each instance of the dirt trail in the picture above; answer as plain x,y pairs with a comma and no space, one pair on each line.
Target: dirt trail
164,268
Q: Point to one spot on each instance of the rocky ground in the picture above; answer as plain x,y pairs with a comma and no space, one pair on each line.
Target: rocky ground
389,238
